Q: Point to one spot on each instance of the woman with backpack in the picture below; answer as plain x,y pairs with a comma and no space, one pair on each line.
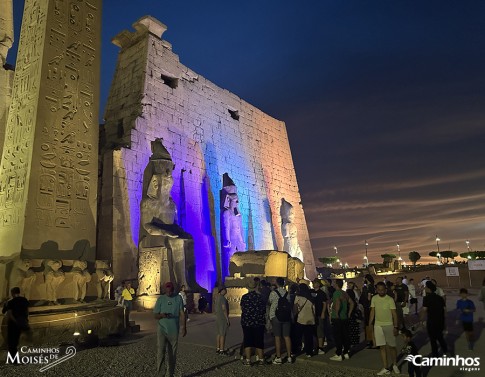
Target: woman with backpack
304,310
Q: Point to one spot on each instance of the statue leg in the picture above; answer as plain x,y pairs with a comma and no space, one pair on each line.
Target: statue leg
76,283
177,247
27,286
56,282
48,288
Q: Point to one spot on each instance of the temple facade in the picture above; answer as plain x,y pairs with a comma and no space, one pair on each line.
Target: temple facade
208,131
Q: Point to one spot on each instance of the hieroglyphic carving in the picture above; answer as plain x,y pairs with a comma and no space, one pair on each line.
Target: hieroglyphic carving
52,133
19,135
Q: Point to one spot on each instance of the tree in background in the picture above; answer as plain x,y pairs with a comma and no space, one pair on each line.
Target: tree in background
414,256
328,260
387,259
473,255
444,254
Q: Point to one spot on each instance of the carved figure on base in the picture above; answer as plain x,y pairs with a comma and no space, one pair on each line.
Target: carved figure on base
158,229
22,276
53,277
80,278
105,277
289,230
231,222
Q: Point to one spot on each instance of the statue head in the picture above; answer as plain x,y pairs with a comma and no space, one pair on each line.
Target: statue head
81,264
23,264
287,212
52,264
160,184
101,264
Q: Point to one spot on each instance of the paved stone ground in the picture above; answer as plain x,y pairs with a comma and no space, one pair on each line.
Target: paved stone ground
136,355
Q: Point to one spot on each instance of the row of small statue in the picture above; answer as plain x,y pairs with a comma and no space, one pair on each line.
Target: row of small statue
23,276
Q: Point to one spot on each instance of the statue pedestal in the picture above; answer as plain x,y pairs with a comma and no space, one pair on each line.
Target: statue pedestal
153,262
55,324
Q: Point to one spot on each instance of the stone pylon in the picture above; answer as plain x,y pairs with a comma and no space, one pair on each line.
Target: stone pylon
48,171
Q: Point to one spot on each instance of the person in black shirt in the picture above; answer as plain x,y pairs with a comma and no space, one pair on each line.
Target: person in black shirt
401,297
253,320
435,309
320,300
410,349
368,290
16,311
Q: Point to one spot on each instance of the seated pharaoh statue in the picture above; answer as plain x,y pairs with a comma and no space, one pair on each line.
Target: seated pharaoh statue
166,251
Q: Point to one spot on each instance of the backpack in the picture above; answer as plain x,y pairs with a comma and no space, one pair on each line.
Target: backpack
283,310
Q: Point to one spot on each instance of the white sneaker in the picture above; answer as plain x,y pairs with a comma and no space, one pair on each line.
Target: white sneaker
383,372
291,359
277,360
336,358
346,356
321,351
395,369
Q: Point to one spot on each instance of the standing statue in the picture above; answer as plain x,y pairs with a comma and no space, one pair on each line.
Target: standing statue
80,278
22,276
231,222
53,277
289,231
105,277
159,235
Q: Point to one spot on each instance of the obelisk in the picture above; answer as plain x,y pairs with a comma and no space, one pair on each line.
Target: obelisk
6,75
48,171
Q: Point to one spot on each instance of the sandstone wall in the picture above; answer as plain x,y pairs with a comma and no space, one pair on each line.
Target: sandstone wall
208,131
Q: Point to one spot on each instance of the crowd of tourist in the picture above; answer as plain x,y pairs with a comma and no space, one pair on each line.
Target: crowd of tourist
312,321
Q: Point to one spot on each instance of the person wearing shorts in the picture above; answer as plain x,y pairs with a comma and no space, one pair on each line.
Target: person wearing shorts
383,315
222,320
253,320
280,329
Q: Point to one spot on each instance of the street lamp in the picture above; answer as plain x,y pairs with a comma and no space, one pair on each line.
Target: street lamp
438,244
468,245
366,244
336,249
399,252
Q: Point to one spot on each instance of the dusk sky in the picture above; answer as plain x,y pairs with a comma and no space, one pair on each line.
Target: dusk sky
384,103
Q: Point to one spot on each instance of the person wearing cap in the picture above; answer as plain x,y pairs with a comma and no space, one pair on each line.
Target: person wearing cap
222,320
169,312
253,321
434,309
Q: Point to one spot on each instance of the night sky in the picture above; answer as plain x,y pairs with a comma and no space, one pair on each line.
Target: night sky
383,103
